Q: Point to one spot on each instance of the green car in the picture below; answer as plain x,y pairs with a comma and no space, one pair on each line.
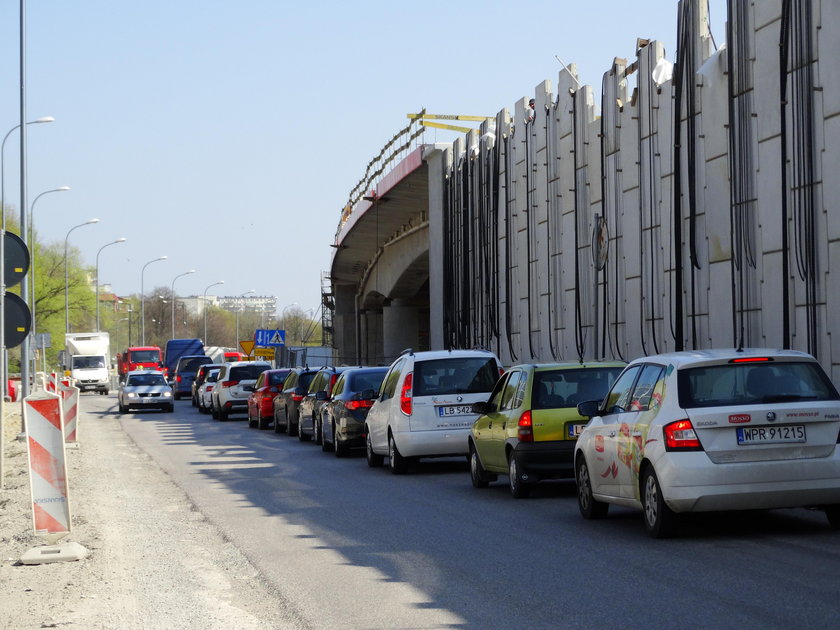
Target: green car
528,427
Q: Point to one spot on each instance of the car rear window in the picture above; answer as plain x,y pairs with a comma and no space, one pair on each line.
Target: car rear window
277,378
246,372
192,364
456,375
305,379
567,388
753,384
366,380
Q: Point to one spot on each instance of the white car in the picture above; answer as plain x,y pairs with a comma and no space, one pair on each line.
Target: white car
233,386
712,430
145,389
424,406
204,390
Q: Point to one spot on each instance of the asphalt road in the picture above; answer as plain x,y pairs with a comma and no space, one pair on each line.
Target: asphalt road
354,547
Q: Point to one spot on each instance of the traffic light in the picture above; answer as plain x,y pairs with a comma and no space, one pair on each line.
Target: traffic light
17,317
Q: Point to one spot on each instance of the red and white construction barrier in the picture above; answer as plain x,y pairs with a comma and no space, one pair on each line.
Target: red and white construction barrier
52,382
70,410
47,466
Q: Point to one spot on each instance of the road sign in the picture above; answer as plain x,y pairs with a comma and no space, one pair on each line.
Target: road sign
247,346
18,320
269,338
264,352
16,259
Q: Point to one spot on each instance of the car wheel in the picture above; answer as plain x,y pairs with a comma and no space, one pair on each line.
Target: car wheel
317,432
303,437
278,428
223,415
325,445
339,447
170,408
396,462
251,423
194,402
590,508
477,473
262,423
833,514
202,409
518,489
214,412
374,460
123,409
291,429
660,520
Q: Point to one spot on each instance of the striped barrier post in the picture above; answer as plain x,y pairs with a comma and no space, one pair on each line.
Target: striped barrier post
47,465
52,382
70,411
48,480
40,381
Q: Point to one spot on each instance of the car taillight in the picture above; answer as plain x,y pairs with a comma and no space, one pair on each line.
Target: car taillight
680,436
526,428
352,405
178,378
297,397
405,394
229,383
333,379
501,371
209,388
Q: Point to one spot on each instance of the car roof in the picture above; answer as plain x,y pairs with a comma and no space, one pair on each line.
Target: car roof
425,355
144,372
716,355
570,365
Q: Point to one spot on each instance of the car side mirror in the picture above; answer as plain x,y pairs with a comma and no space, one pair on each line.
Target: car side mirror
589,408
322,395
368,394
483,407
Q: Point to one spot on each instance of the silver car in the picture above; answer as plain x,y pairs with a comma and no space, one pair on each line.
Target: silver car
145,389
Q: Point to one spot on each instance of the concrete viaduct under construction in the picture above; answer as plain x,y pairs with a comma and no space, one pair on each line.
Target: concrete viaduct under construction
696,210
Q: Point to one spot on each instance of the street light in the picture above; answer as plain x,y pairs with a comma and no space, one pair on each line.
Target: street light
186,273
32,250
238,309
204,306
67,274
143,301
44,119
119,240
24,349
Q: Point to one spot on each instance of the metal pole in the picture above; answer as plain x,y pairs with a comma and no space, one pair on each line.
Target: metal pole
119,240
204,307
24,292
143,301
186,273
67,274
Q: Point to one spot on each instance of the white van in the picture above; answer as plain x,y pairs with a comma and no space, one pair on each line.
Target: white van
424,406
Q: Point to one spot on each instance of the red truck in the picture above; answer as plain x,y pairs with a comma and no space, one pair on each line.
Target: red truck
140,358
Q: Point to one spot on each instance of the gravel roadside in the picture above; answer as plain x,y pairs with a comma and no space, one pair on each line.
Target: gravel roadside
153,560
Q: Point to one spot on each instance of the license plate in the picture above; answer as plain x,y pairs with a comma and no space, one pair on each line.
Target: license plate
771,435
575,429
454,410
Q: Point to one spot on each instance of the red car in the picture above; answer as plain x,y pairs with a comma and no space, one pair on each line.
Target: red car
261,400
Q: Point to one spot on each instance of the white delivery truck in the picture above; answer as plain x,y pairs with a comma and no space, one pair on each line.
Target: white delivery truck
87,359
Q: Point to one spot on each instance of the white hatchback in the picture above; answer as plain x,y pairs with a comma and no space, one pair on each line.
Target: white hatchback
204,391
233,387
424,405
703,431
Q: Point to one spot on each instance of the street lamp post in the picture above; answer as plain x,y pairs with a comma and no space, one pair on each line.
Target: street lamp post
119,240
143,301
67,274
238,310
186,273
44,119
32,249
204,306
283,317
24,350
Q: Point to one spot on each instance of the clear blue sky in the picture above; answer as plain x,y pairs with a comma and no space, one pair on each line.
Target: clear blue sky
227,135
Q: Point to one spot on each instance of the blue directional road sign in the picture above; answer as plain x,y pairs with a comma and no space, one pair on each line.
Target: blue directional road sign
267,338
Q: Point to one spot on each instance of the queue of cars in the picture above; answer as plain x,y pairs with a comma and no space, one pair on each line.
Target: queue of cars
693,431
